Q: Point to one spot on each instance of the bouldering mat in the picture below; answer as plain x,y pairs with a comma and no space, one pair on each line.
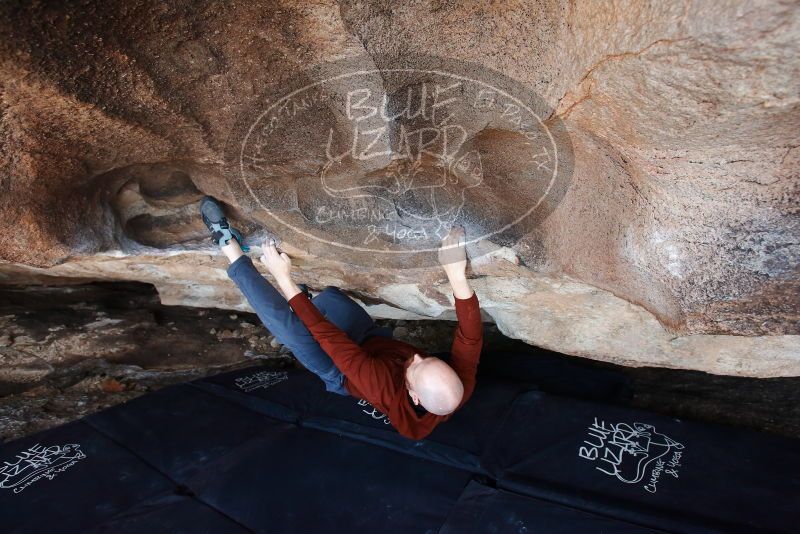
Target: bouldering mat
271,451
298,396
482,509
646,468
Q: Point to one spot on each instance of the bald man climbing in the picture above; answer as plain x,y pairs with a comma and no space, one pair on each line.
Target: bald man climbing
332,336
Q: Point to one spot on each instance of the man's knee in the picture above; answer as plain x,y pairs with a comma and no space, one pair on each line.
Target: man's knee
337,387
332,290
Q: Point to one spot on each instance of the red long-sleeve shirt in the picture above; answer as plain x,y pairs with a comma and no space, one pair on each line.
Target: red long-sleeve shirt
375,370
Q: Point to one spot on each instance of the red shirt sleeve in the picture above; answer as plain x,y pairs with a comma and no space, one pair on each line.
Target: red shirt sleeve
468,342
464,357
371,376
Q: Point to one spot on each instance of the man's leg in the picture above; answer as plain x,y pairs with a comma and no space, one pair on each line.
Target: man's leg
280,320
271,307
347,315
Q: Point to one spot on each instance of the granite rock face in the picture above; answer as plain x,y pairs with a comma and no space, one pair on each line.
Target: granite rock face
669,234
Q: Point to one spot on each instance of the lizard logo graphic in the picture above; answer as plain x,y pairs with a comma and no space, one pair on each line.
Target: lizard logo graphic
426,189
38,462
631,453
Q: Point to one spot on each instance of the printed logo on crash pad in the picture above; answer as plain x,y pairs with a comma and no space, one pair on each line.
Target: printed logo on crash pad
36,463
262,379
370,410
634,454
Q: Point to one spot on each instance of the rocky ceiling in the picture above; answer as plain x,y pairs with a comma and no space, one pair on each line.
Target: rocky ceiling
667,233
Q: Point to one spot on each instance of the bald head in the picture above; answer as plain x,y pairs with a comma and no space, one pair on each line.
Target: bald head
433,384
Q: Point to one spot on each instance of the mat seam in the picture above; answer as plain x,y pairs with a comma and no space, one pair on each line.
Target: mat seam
175,483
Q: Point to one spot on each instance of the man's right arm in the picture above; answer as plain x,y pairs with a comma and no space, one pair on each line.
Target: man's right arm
349,357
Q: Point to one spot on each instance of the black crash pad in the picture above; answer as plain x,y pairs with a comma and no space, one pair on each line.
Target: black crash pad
181,430
647,468
170,513
482,509
558,374
305,480
268,392
252,452
231,467
299,396
264,472
69,479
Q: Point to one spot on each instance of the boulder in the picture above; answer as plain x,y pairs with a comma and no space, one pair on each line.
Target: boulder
627,173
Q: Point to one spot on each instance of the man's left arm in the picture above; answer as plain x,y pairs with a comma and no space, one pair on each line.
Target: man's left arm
466,350
467,343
